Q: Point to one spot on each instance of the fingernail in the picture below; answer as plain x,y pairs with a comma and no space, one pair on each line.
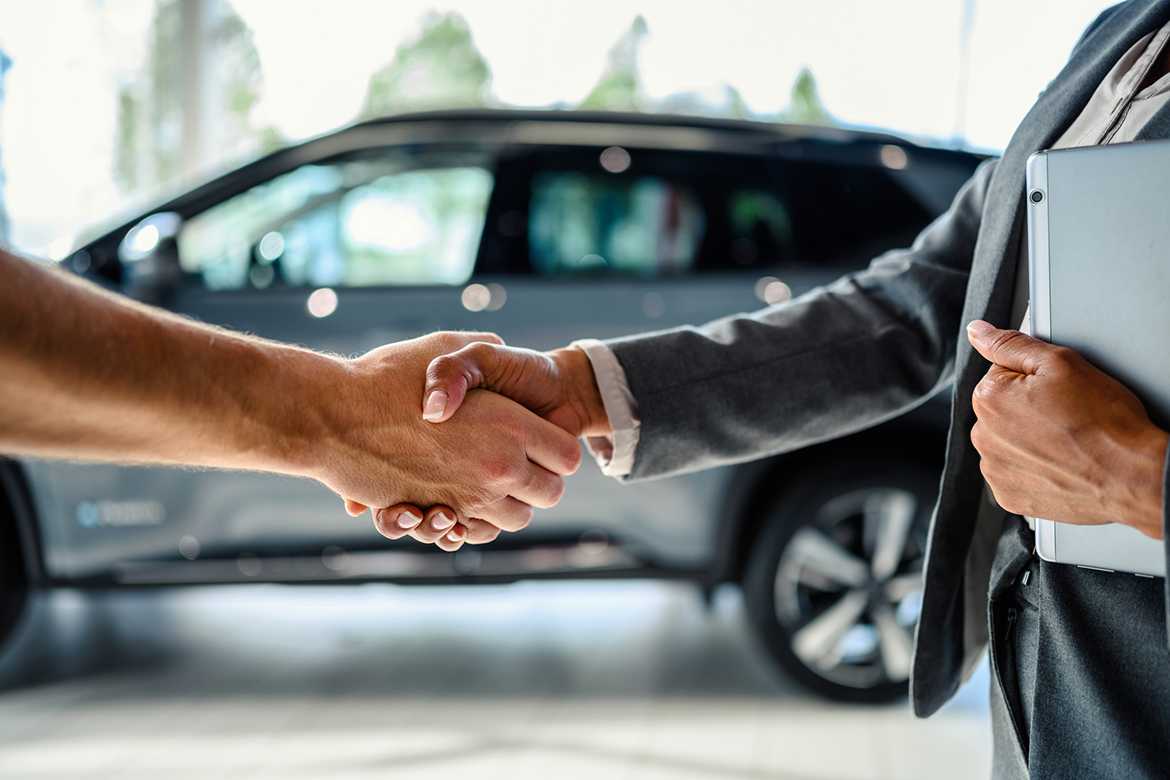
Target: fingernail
454,536
979,328
441,521
435,405
408,519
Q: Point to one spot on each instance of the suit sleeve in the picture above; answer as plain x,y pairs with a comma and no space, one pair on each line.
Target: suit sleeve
837,360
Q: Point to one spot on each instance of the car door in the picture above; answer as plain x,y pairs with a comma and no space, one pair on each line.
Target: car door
340,256
605,241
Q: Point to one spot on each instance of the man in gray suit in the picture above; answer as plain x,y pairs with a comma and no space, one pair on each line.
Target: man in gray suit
1082,686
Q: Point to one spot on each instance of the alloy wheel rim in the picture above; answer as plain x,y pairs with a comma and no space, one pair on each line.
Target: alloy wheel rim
848,587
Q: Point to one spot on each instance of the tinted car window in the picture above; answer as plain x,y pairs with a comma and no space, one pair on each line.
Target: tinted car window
581,223
760,229
347,224
693,212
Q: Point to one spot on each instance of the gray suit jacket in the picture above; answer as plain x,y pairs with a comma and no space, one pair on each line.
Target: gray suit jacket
872,346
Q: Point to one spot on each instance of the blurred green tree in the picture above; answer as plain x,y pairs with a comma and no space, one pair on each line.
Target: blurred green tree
442,68
157,115
805,105
619,88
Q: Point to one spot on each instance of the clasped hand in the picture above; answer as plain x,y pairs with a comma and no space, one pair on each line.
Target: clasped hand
482,473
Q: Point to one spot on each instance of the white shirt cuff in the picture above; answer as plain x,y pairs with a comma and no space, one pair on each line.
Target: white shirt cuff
614,453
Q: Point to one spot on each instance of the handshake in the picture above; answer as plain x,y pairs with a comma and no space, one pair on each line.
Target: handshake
476,432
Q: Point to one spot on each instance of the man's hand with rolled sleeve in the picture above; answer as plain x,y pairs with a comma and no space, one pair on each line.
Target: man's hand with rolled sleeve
88,375
1062,440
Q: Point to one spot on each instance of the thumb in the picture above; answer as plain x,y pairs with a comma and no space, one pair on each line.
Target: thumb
513,372
450,377
1008,349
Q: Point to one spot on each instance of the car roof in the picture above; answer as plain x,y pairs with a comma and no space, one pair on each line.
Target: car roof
551,118
520,127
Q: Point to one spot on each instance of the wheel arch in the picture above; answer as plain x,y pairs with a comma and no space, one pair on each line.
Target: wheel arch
918,438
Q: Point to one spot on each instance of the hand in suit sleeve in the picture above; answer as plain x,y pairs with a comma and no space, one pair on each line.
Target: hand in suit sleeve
837,360
834,361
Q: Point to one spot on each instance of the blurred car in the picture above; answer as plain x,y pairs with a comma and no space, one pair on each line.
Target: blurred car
542,227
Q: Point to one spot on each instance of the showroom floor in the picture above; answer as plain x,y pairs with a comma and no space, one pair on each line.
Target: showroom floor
541,680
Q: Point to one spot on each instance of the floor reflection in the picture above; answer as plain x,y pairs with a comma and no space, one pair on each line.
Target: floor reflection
532,680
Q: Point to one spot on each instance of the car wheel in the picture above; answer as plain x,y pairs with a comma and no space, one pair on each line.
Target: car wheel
833,584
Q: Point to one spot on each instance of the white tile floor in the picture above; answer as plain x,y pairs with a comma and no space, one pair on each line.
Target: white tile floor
548,680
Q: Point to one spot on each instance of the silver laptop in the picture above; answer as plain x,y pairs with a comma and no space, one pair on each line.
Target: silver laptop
1099,250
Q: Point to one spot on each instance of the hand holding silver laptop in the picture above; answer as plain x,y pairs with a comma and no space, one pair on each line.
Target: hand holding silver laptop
1065,433
1060,439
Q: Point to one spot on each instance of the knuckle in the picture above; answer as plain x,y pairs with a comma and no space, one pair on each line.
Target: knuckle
449,339
979,436
442,367
1006,340
479,352
984,395
501,472
1063,359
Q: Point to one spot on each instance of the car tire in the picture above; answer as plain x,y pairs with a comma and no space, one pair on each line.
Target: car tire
833,581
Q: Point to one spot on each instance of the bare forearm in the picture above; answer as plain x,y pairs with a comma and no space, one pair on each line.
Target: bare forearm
90,375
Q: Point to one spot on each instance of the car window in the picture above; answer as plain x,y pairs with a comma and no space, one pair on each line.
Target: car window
586,223
356,224
760,229
671,212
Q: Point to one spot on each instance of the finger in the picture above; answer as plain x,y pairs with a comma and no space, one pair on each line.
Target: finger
550,446
450,376
353,508
439,521
453,539
537,487
478,531
507,514
1011,349
395,522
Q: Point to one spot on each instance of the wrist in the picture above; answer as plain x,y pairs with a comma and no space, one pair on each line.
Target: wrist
1142,502
298,422
581,386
